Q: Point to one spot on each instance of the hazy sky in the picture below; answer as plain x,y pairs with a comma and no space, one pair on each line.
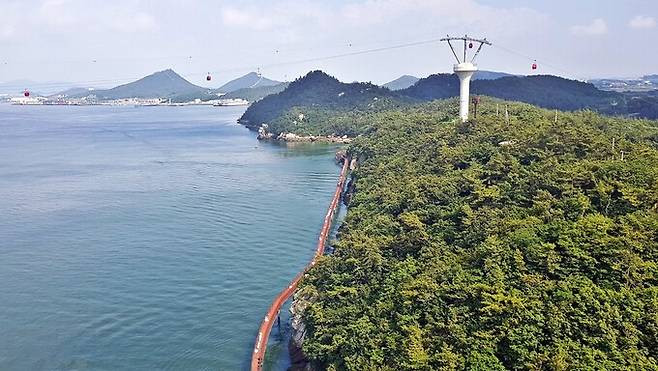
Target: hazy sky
111,41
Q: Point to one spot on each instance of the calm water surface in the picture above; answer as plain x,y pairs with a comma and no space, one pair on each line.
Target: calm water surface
148,238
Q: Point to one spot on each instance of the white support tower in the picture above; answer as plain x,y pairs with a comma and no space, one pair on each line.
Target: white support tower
465,69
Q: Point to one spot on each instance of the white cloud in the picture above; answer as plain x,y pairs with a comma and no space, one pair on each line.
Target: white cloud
71,16
55,13
247,19
137,22
6,31
642,22
377,16
280,16
597,27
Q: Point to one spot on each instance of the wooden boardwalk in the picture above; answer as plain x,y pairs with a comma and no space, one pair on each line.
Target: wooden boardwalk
260,346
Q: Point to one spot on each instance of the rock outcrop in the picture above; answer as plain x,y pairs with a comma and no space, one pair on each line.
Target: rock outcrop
298,360
264,133
291,137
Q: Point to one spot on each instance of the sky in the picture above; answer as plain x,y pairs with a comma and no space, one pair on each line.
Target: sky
105,43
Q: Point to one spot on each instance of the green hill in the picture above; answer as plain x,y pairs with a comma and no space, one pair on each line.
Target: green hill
492,245
528,243
317,90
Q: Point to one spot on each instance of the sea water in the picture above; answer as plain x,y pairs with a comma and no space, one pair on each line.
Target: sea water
148,238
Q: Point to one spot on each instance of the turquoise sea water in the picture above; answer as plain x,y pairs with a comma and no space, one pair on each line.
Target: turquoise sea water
148,238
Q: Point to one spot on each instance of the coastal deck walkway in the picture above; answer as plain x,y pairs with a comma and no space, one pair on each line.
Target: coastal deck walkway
260,346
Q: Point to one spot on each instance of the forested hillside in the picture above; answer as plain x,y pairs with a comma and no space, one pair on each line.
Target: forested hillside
492,245
317,92
541,90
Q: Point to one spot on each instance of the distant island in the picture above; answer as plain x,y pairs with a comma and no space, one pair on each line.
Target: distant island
163,88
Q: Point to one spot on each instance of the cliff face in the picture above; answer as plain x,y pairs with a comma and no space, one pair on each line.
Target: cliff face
299,362
350,189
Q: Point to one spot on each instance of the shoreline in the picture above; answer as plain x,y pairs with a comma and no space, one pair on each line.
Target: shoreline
265,134
260,345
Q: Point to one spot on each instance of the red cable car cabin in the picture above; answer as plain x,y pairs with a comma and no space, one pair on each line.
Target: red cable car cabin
534,66
26,93
470,45
208,78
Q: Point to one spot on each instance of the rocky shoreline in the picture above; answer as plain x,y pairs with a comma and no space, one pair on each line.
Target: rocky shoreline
265,134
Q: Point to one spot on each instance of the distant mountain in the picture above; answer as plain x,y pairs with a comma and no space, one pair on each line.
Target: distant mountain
489,75
652,78
541,90
401,82
406,81
257,93
74,92
250,80
163,84
317,89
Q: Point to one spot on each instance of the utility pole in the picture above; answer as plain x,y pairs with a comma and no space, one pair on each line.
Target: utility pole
476,100
465,69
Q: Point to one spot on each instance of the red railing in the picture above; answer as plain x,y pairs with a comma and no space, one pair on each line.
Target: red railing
260,346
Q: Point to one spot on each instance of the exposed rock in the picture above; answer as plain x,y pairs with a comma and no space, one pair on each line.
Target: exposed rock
298,360
349,191
292,137
341,155
263,133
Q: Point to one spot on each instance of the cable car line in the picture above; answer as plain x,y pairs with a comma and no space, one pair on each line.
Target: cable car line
535,62
208,75
251,68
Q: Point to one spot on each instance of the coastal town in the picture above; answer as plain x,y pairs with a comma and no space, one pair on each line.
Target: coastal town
92,100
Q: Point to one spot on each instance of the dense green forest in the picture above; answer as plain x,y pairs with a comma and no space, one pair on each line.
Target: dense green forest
490,245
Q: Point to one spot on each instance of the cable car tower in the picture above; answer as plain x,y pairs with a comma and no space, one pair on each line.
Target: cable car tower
465,69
